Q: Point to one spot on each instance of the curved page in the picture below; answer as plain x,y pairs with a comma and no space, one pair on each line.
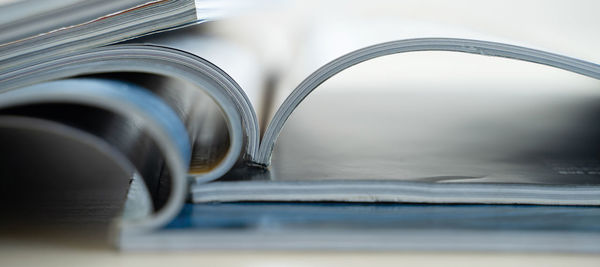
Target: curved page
237,62
116,119
309,169
207,100
197,74
411,45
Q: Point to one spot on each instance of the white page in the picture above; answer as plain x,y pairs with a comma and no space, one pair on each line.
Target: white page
297,38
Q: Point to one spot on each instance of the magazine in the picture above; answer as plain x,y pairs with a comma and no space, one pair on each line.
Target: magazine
176,115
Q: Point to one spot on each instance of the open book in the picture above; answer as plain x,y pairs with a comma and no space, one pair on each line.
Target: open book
162,111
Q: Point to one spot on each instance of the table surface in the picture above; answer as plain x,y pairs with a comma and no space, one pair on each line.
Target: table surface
69,248
27,254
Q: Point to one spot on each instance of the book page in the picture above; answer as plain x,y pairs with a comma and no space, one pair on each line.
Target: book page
444,124
398,106
21,19
238,61
309,34
436,116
